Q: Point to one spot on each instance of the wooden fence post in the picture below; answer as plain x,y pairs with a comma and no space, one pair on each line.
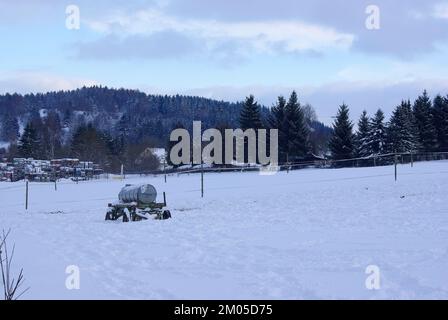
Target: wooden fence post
396,160
26,196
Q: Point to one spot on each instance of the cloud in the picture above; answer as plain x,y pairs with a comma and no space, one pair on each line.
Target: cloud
243,38
408,28
440,10
404,33
160,45
36,81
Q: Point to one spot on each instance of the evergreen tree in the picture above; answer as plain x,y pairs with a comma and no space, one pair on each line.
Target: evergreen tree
9,128
296,129
402,134
341,143
277,120
29,144
424,123
250,114
377,134
362,136
440,117
88,144
250,119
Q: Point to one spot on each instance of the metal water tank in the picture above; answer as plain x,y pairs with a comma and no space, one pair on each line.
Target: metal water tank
144,194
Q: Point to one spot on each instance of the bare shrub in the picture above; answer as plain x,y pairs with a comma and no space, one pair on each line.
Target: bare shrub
11,286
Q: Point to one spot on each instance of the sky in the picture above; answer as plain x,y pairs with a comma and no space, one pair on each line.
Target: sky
326,50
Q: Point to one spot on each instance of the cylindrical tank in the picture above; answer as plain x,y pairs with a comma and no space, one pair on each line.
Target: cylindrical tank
144,194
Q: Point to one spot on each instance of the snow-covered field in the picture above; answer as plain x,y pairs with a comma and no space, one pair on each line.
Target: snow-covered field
307,234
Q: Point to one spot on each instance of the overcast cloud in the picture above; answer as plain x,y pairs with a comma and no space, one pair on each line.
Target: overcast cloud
229,49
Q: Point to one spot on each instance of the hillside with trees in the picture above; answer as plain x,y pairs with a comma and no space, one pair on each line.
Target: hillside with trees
115,126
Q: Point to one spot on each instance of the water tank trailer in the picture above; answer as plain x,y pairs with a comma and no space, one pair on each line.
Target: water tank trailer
136,203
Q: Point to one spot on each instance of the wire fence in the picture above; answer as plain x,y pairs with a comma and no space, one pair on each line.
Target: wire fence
389,159
370,161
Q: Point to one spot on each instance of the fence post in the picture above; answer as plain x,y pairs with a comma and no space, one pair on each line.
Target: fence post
164,169
412,159
395,157
202,179
26,196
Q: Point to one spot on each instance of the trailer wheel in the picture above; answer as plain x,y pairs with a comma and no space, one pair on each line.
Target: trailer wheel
125,212
166,215
111,215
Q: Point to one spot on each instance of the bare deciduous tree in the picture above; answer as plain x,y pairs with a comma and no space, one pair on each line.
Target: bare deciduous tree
10,284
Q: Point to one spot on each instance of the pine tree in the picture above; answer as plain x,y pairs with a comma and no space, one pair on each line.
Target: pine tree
29,144
297,133
88,144
440,117
277,120
402,134
424,123
9,128
362,136
119,143
377,134
341,143
250,114
250,119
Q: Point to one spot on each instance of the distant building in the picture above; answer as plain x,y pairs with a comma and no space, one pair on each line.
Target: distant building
47,170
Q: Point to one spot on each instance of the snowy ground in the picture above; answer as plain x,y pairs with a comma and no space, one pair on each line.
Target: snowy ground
307,234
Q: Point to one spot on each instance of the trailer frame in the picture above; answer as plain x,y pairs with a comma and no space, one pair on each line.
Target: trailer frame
135,211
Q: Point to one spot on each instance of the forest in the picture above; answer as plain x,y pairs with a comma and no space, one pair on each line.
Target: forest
117,126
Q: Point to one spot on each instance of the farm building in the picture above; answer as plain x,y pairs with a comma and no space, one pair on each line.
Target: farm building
47,170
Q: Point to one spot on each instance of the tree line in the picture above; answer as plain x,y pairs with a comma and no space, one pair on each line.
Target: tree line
421,126
119,124
88,144
115,127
